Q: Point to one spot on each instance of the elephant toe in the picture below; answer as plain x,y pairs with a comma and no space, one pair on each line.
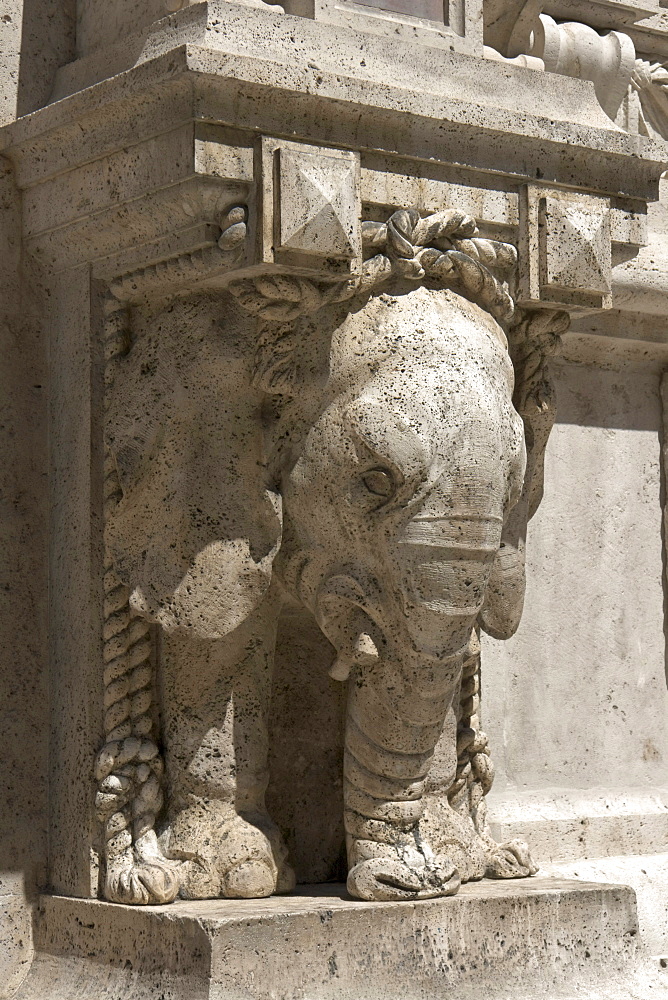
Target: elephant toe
253,879
511,860
391,878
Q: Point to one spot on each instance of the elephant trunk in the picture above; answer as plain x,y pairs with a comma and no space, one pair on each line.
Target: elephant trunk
446,555
396,713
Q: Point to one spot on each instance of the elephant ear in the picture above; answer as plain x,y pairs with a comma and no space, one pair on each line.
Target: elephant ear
192,525
533,338
532,341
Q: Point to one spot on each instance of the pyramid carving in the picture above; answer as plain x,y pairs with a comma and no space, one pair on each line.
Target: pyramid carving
578,249
318,206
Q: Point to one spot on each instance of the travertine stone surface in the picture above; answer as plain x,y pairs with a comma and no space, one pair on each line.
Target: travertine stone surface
35,40
606,445
389,509
646,873
298,419
547,937
566,251
306,728
24,715
457,25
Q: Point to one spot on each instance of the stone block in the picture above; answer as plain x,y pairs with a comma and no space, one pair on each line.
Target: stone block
318,203
577,243
566,244
311,206
647,874
543,937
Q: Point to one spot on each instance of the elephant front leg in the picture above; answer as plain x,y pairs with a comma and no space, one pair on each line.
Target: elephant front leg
395,717
215,706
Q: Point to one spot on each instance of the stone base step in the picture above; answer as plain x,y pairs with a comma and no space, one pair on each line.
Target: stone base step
524,940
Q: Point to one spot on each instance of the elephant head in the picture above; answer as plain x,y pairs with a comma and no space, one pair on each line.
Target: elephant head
410,460
400,473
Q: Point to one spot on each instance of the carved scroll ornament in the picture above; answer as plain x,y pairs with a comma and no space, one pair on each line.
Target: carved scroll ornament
401,468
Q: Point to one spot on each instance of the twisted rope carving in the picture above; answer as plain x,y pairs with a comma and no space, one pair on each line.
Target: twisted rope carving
129,767
475,774
442,248
475,770
533,338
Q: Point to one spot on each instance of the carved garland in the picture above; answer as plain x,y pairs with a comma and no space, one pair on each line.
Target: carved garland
443,249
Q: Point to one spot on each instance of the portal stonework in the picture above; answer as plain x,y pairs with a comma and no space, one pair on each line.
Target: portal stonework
350,319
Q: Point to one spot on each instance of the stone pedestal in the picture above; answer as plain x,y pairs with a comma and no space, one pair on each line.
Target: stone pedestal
544,937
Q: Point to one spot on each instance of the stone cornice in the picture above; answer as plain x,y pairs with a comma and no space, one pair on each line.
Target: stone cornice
449,112
134,174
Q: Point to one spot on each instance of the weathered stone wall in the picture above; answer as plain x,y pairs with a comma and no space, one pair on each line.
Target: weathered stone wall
24,689
36,37
576,702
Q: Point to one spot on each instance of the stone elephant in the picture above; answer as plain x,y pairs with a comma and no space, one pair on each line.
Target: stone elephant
372,450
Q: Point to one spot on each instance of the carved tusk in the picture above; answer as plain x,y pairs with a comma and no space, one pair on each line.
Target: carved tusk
364,652
340,669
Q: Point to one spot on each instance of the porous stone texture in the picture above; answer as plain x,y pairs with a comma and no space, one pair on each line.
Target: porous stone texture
306,731
596,569
547,937
597,789
646,874
24,715
389,522
299,407
35,40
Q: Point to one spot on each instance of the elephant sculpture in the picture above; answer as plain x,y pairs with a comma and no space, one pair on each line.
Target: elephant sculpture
373,451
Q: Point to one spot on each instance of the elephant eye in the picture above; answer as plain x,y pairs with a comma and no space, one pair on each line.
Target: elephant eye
380,483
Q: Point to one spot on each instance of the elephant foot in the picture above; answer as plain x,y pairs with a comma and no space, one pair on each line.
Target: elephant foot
140,875
225,855
400,872
475,854
509,860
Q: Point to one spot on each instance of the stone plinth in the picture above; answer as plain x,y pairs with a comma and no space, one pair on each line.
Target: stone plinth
543,937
